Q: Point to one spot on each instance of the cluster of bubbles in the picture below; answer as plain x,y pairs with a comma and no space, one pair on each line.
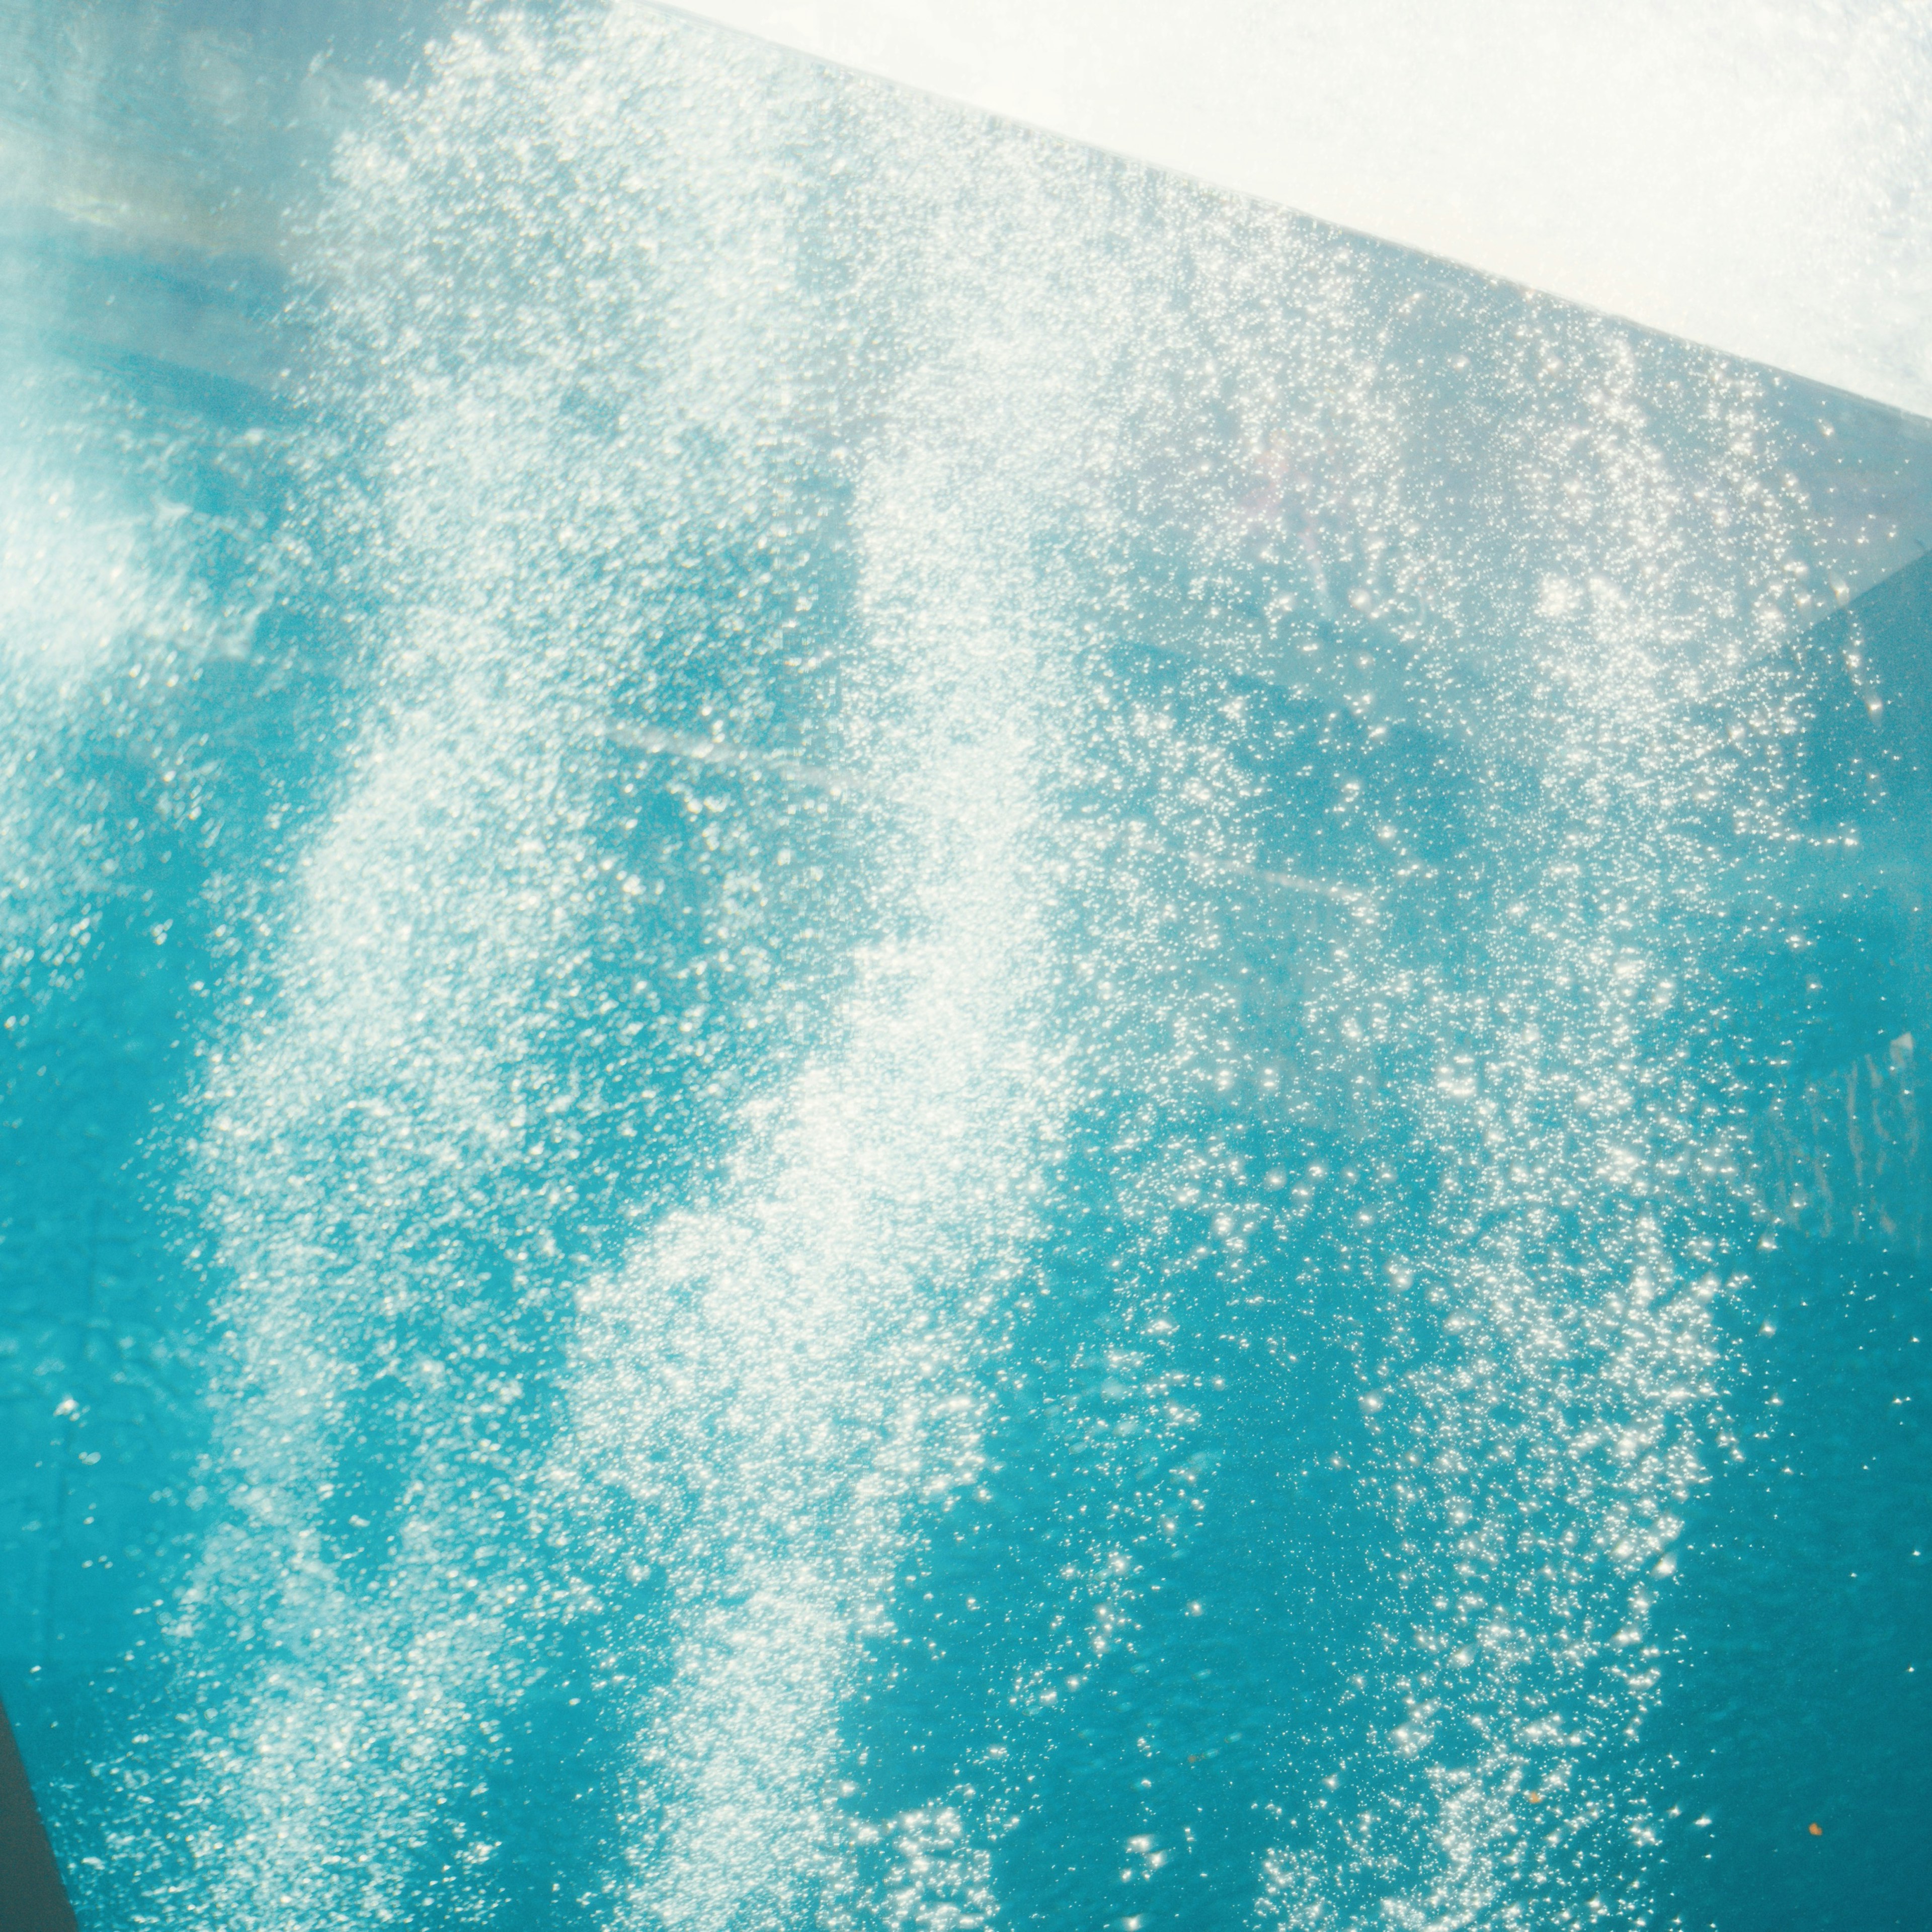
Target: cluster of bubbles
975,1158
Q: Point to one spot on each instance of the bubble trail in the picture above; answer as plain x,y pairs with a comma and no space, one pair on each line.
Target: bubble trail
479,992
1547,1393
779,1379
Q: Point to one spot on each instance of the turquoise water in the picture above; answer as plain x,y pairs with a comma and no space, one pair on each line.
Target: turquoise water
904,1033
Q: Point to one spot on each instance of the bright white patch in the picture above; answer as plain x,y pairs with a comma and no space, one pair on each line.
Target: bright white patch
1751,174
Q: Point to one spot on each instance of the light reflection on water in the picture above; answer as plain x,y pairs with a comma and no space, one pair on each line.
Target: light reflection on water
972,1006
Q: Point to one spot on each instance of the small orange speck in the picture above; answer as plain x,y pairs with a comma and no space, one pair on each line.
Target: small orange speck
1533,1797
1817,1830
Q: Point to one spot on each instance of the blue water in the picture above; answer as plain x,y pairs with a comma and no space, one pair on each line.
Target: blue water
903,1032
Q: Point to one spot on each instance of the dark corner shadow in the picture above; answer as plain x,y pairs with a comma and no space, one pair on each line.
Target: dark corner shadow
32,1898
